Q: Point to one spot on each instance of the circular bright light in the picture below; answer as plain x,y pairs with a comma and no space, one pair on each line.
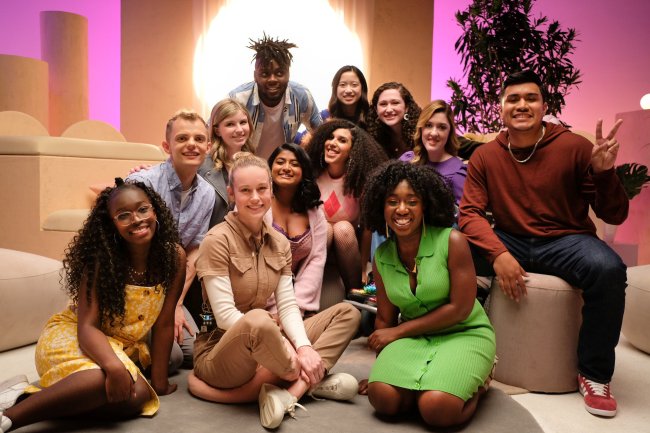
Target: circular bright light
222,60
645,101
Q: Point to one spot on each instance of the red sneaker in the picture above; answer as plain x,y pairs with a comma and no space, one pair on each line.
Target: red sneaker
598,399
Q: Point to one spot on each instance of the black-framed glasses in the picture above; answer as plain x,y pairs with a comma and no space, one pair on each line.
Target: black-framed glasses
128,217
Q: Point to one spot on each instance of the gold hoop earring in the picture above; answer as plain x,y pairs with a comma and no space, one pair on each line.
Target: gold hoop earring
387,232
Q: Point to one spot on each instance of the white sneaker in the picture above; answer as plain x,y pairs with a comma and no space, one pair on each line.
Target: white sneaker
5,423
337,386
274,403
11,389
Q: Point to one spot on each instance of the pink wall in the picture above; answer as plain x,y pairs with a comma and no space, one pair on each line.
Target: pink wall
613,54
20,36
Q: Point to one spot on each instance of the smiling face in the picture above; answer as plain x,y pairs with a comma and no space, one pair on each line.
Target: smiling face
251,192
349,89
338,147
391,107
234,130
133,215
286,170
403,211
272,81
435,134
522,107
188,143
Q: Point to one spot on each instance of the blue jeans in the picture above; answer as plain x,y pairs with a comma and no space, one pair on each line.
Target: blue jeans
586,262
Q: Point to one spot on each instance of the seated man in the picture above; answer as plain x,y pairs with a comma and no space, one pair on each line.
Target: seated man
277,106
191,200
538,179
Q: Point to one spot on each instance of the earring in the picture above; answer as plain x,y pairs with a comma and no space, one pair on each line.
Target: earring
406,116
424,229
157,226
387,232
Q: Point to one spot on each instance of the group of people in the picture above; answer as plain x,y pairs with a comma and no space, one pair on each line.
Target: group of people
245,213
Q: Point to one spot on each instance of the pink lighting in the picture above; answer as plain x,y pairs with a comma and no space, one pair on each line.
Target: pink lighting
20,35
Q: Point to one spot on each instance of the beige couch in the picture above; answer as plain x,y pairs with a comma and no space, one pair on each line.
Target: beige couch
45,186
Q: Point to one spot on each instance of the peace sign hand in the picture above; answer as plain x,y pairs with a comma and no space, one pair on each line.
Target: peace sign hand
605,149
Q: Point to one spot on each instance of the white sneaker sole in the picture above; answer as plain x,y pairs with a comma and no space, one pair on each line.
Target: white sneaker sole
13,386
271,410
594,411
346,388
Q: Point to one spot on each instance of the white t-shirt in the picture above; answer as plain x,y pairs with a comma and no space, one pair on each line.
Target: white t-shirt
272,132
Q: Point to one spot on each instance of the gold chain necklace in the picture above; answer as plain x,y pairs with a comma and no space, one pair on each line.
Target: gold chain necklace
138,277
523,161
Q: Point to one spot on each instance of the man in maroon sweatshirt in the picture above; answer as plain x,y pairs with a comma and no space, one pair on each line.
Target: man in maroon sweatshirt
539,180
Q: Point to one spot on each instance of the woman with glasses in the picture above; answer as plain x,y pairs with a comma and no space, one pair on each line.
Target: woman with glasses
124,272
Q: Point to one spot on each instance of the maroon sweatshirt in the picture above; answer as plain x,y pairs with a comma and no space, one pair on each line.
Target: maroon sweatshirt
547,196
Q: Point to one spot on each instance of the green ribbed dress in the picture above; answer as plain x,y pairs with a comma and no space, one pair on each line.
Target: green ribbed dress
456,360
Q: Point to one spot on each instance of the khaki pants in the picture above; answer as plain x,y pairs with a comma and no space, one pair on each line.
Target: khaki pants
227,359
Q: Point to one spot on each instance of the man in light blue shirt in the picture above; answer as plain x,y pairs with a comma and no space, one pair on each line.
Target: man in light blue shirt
277,106
191,201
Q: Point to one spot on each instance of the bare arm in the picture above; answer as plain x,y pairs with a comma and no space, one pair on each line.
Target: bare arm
387,313
179,316
94,343
163,332
462,294
366,239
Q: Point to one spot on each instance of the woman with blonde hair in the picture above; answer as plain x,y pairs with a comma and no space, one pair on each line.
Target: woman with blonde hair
250,355
435,144
230,132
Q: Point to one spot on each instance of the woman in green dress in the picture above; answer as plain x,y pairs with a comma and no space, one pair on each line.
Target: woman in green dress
439,354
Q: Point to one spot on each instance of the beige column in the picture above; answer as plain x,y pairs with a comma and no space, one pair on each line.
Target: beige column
64,46
402,43
23,86
157,63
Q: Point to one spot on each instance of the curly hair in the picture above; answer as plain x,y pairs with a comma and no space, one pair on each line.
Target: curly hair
451,146
99,253
380,131
365,154
335,106
268,49
307,195
437,198
221,111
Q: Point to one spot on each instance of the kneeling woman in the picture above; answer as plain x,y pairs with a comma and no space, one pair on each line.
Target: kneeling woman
242,261
440,355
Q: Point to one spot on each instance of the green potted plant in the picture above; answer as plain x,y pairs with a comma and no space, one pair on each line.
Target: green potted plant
501,37
634,178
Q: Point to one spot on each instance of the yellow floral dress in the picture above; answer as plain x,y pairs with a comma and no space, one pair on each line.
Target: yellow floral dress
58,354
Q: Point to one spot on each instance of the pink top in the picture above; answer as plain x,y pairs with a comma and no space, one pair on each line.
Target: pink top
336,205
308,279
300,246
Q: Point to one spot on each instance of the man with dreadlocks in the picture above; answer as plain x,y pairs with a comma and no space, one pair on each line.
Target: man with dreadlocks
277,106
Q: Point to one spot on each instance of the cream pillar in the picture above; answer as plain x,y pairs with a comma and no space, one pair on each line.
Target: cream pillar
64,46
23,86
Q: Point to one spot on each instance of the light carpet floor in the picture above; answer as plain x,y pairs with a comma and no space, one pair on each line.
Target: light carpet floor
180,412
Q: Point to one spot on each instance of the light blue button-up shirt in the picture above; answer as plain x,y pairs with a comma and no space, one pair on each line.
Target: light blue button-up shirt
193,217
299,108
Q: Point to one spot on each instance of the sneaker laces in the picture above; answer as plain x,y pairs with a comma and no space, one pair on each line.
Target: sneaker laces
599,389
291,410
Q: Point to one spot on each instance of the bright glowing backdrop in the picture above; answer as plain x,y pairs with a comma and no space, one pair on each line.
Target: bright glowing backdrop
222,61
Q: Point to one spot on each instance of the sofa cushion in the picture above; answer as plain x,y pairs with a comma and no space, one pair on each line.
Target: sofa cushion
31,292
